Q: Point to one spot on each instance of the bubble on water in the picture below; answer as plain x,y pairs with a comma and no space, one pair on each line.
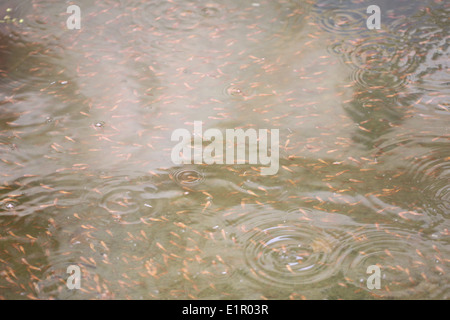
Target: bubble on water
234,91
238,91
99,124
9,206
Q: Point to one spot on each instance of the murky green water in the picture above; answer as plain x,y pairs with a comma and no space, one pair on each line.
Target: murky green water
86,176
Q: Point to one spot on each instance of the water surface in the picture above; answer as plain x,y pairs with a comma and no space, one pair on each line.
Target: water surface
86,176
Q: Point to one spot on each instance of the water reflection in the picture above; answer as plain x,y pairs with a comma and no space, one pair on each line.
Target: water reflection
86,176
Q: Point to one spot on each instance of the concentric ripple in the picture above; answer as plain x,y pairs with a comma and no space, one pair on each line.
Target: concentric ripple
288,249
339,17
432,172
340,21
429,168
401,257
341,48
383,55
290,254
238,91
187,177
377,80
130,203
378,62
